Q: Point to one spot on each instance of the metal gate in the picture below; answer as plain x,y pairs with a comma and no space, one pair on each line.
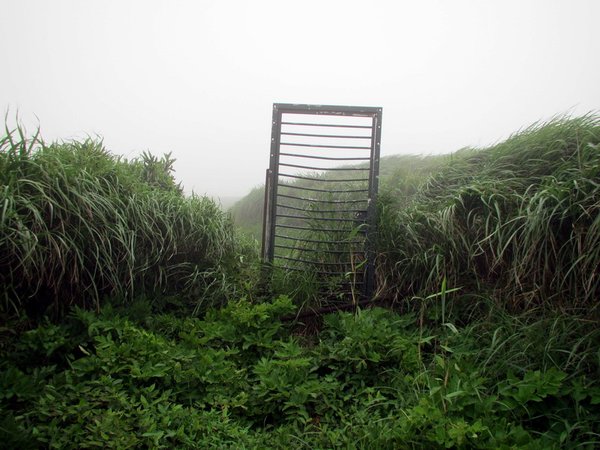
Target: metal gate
321,190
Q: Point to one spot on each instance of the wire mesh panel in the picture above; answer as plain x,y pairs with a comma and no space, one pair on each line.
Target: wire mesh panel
321,190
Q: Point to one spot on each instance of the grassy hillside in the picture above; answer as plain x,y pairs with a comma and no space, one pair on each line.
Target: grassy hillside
226,202
248,212
400,175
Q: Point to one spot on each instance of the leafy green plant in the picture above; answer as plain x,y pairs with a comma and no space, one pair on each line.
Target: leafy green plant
240,378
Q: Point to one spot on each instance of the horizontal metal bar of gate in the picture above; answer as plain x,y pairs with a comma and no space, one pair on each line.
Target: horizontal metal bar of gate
317,241
329,219
328,158
291,186
322,180
333,230
325,135
314,200
316,250
316,263
324,211
325,125
321,272
353,147
365,169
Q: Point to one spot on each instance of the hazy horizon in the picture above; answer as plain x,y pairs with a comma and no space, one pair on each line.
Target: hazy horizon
198,78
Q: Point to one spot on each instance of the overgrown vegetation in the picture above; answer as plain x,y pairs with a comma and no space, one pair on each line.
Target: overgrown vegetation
79,225
489,258
519,221
240,379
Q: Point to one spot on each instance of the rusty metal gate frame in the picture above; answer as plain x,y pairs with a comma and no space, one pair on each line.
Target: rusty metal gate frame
367,216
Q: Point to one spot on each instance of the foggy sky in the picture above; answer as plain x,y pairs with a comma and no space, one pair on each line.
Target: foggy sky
199,78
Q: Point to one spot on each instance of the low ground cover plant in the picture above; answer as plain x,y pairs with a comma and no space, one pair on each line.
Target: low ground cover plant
241,378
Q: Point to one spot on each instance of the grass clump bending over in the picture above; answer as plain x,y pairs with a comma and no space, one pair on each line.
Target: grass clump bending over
78,224
520,220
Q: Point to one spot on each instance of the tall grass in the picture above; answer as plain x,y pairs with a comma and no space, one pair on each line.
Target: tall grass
519,220
78,224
